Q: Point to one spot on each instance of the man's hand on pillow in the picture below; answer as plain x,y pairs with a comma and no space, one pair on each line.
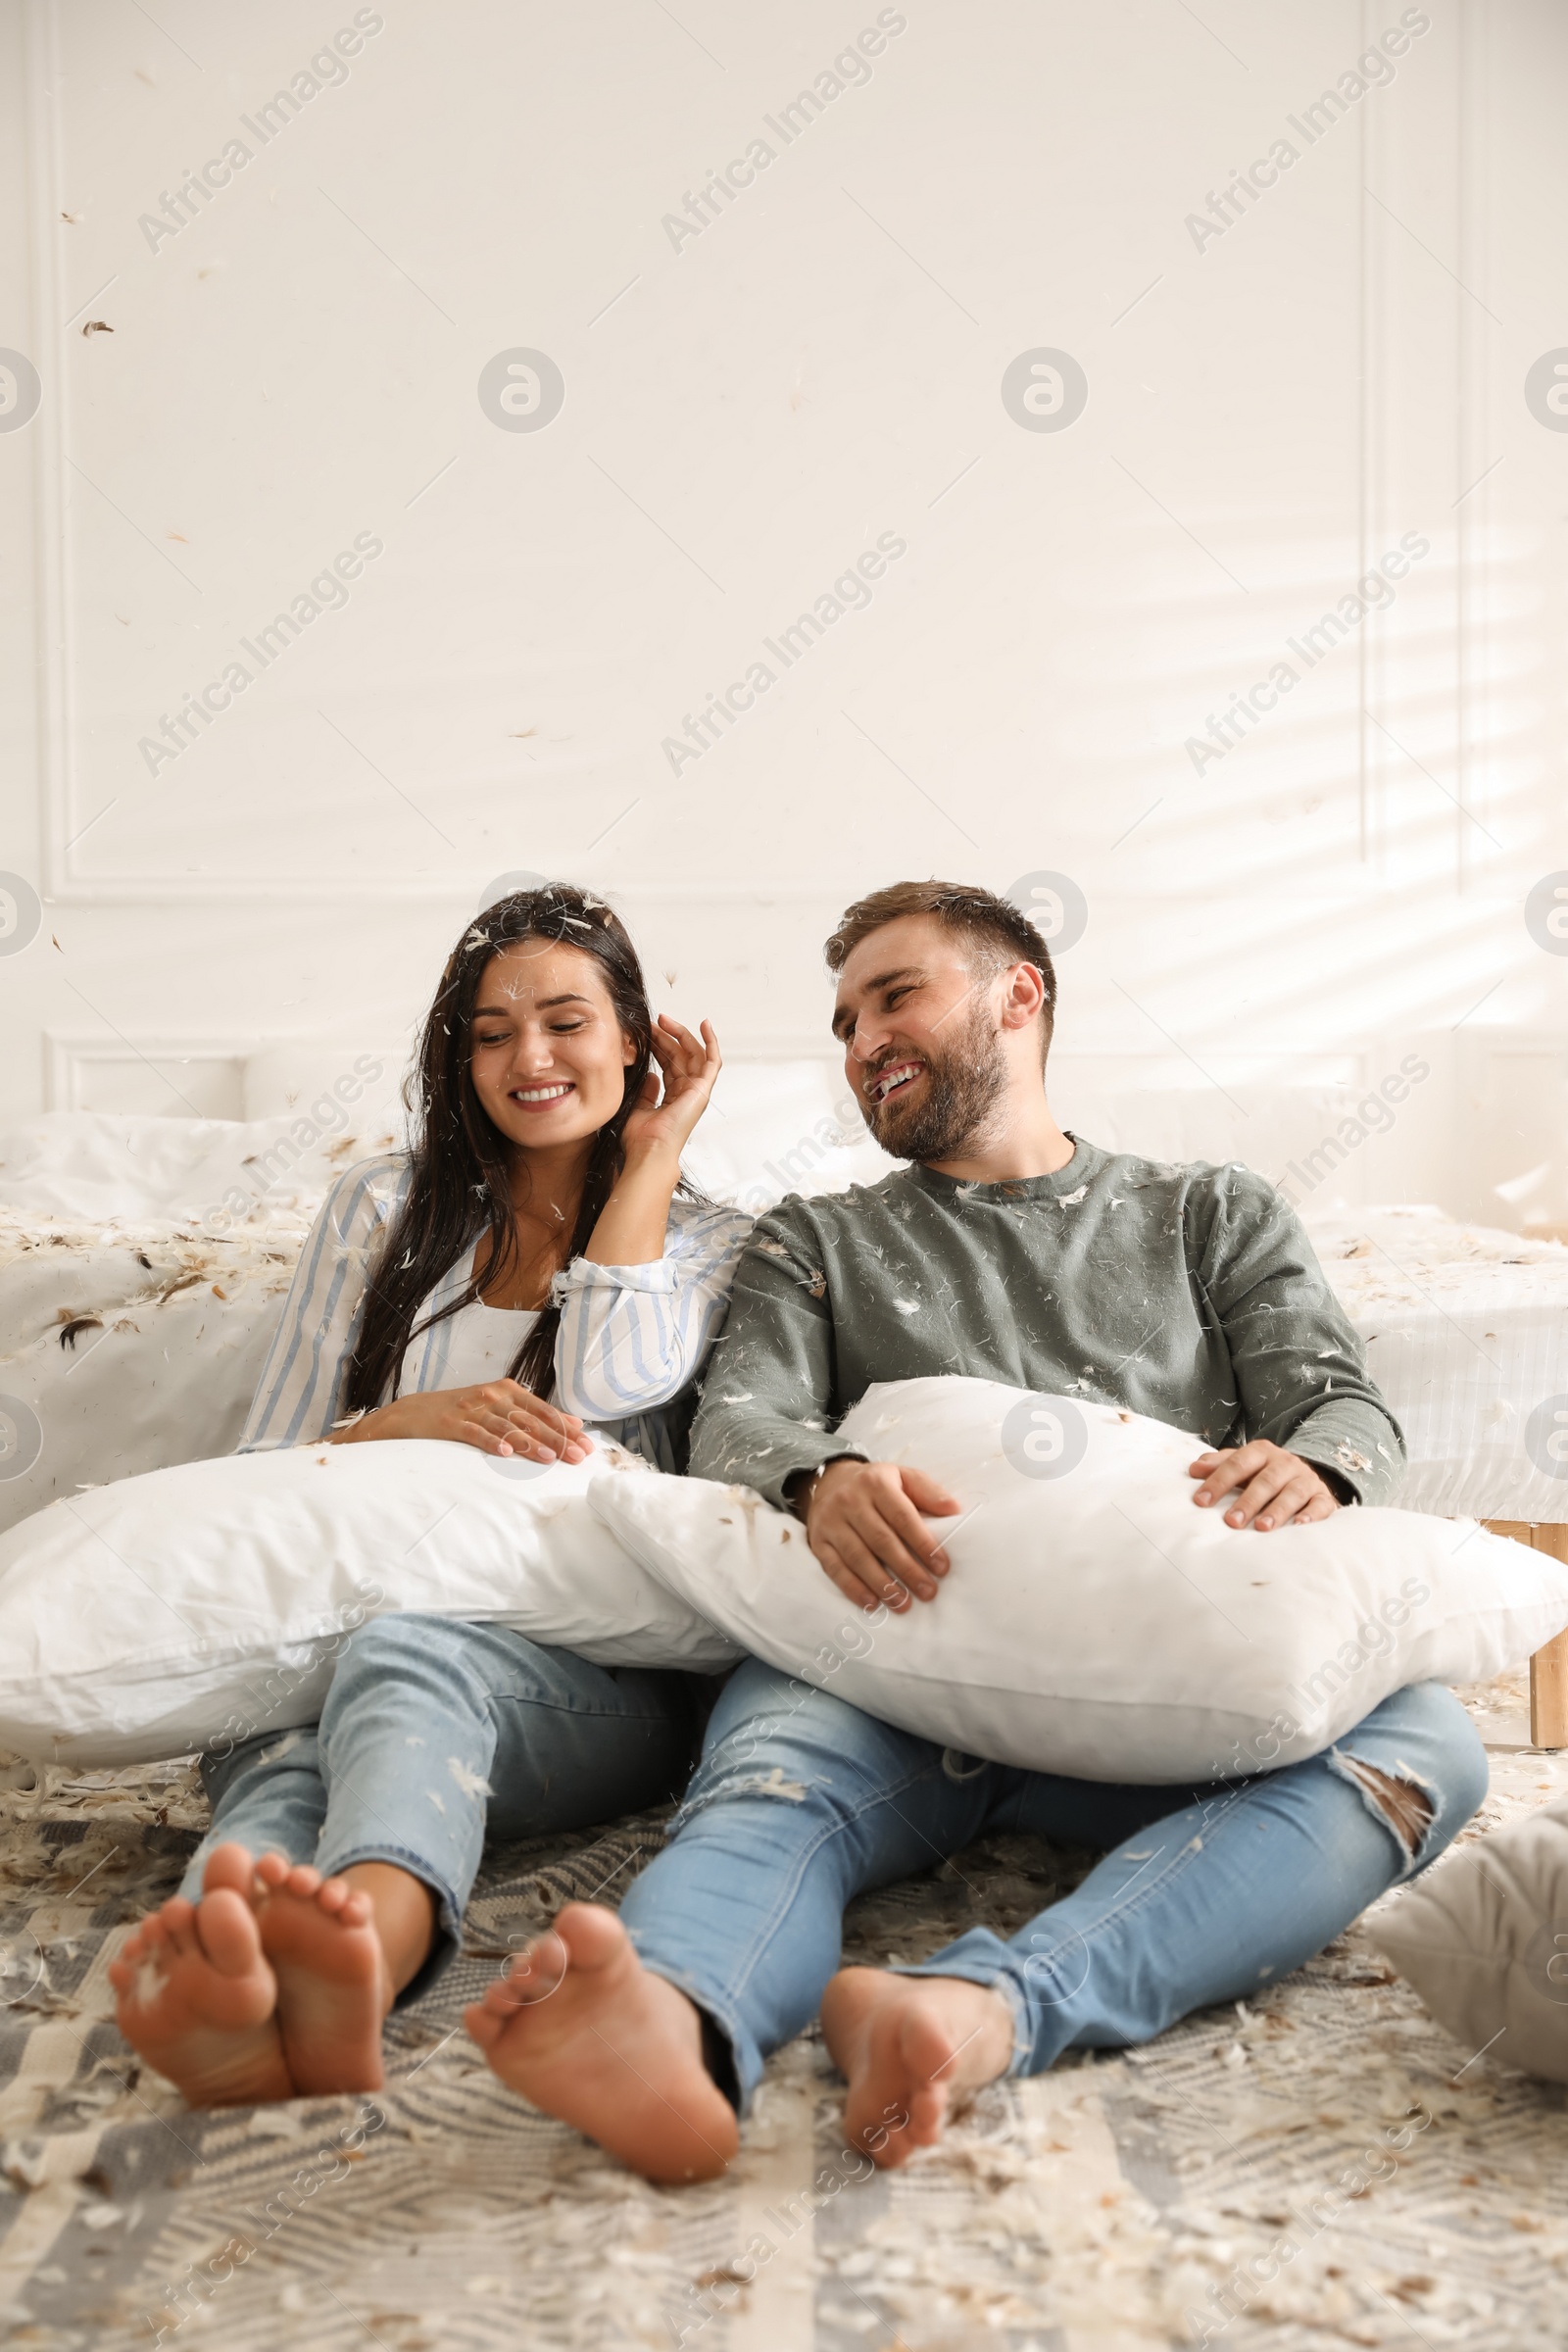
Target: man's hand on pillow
1271,1487
499,1417
862,1521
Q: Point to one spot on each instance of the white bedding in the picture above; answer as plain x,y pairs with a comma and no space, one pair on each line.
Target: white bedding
134,1345
143,1267
1466,1332
1466,1327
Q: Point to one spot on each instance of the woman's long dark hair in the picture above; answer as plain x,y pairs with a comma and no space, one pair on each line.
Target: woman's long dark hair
461,1175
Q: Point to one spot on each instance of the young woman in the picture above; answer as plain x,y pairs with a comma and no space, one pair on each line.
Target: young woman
534,1267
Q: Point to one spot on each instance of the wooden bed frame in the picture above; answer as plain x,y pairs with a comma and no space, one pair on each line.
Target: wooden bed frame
1548,1668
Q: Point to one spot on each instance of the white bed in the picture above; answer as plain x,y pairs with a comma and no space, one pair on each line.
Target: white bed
1466,1332
135,1309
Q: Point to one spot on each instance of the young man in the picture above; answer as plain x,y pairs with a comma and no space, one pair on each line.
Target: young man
1008,1250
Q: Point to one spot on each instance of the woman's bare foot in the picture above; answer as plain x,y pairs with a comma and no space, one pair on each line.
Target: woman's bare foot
907,2046
589,2034
197,1997
332,1987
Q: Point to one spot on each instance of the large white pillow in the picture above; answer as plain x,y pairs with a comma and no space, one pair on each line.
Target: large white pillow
1094,1621
193,1606
1484,1939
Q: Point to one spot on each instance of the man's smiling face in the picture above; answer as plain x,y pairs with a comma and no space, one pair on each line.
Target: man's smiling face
920,1037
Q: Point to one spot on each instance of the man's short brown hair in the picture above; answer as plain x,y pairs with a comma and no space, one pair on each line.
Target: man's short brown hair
995,931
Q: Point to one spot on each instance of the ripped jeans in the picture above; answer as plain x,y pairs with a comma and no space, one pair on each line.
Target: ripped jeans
434,1733
1205,1894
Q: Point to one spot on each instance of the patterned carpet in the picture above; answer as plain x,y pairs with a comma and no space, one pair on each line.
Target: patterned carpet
1321,2168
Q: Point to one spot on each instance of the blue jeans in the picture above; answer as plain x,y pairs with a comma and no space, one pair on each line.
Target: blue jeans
1205,1894
434,1733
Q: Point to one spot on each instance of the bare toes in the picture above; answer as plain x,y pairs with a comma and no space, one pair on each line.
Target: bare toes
498,2000
139,1946
227,1931
229,1865
534,1974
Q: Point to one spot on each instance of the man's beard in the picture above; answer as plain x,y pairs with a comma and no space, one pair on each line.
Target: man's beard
961,1090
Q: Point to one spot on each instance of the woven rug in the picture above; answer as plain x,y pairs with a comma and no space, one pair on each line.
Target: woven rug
1317,2167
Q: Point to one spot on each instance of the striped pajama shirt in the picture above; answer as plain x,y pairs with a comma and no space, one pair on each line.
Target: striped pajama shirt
630,1341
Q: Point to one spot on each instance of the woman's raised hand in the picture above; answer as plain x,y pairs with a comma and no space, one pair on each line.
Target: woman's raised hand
499,1418
689,1066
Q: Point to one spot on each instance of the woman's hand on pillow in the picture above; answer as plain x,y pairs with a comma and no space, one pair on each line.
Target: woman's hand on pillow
863,1523
498,1418
1277,1488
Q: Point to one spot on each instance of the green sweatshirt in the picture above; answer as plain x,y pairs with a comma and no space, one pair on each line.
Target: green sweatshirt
1188,1294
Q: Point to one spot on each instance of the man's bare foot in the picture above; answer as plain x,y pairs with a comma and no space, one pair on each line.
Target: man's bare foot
589,2034
197,1997
909,2046
332,1988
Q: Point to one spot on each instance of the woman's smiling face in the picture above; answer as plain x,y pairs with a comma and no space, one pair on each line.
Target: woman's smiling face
547,1055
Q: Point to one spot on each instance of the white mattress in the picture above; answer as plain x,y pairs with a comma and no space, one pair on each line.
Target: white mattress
1466,1333
130,1346
110,1225
143,1267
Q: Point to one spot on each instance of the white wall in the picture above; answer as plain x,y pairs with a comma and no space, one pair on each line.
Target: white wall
743,417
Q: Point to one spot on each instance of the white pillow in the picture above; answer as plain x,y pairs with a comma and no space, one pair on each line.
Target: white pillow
1096,1622
193,1606
1483,1938
1484,1941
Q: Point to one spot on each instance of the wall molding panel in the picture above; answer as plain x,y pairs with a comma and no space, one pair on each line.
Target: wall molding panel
1021,693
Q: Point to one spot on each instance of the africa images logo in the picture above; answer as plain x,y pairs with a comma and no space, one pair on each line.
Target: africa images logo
1045,1437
